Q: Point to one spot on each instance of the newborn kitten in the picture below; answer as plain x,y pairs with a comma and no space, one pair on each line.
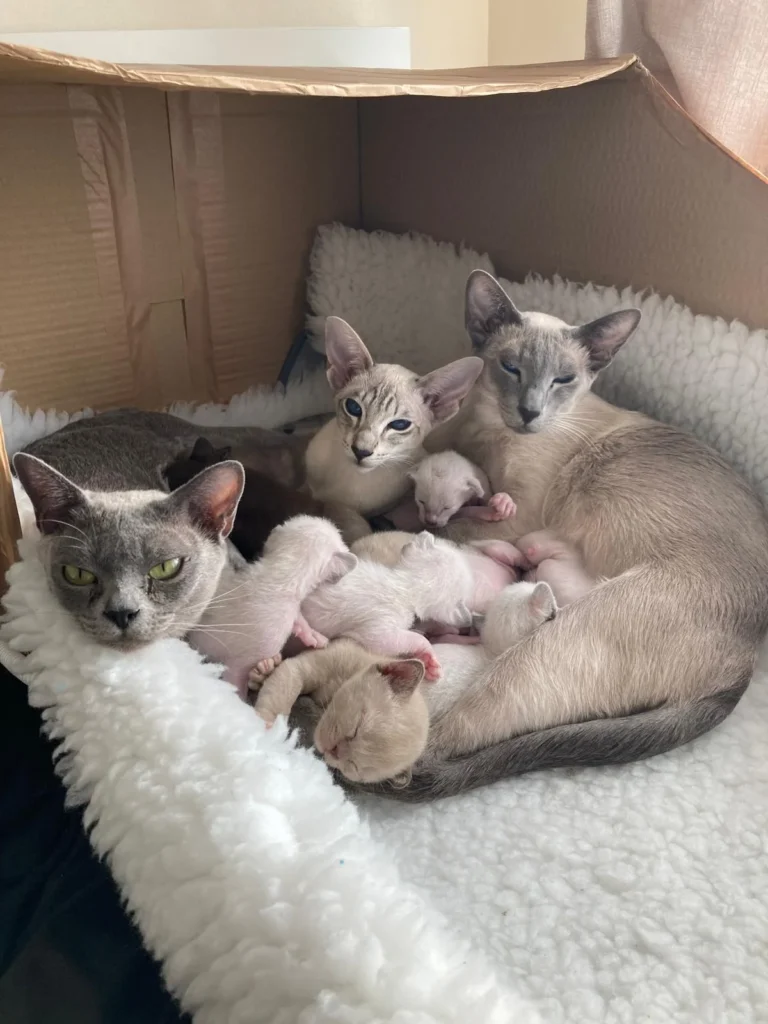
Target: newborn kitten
433,580
377,605
383,414
257,607
265,503
448,486
376,717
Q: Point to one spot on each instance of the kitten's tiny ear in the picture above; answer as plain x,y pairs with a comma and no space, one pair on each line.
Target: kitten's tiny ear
423,541
342,563
444,390
346,354
54,497
403,676
487,308
603,337
211,498
542,602
475,486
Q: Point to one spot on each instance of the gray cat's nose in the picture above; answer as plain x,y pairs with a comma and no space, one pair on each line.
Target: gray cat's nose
360,453
122,617
528,415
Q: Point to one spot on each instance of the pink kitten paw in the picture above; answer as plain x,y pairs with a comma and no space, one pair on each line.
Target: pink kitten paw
261,670
432,668
502,505
308,636
267,718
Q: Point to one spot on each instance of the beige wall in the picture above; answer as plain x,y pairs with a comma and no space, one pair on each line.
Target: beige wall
535,31
444,33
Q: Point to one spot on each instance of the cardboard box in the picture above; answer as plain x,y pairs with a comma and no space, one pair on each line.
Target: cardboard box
155,223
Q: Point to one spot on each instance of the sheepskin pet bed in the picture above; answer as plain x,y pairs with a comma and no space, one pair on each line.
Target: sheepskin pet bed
601,896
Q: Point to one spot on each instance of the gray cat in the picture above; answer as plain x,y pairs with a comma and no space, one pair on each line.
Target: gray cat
132,566
130,562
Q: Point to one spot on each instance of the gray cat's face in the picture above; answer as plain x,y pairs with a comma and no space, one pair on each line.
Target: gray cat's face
384,411
536,366
133,566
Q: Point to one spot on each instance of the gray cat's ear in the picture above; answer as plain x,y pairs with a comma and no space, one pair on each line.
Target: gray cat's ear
346,354
211,498
603,337
53,496
403,676
542,602
444,390
487,308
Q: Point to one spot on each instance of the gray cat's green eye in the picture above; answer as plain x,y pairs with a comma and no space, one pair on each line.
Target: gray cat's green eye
166,570
76,576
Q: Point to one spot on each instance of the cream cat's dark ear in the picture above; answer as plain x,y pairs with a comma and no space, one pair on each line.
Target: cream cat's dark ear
403,676
54,497
346,354
211,498
487,308
445,389
603,337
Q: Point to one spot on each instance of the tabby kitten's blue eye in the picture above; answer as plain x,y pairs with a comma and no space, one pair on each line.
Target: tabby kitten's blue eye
399,424
569,378
510,369
353,408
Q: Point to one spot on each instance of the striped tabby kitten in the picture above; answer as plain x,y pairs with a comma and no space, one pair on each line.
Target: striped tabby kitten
383,413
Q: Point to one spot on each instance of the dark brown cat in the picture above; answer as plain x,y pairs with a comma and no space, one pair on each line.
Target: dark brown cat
265,502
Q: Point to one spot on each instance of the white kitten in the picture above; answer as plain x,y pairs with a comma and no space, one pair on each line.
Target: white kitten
433,580
258,607
447,485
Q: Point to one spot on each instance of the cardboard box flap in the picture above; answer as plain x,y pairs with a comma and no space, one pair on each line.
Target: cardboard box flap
21,63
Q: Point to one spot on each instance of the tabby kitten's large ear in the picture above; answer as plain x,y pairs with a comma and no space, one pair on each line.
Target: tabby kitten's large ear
487,308
211,498
54,497
346,354
444,390
603,337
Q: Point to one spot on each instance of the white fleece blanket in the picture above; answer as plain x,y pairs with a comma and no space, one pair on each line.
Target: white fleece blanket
627,895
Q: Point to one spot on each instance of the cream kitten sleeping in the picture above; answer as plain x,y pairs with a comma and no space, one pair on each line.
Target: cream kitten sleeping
377,715
257,607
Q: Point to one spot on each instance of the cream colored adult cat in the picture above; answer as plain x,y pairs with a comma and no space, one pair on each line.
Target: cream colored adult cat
383,413
377,715
664,648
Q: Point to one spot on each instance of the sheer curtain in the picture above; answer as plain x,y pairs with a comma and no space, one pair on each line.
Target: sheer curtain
711,54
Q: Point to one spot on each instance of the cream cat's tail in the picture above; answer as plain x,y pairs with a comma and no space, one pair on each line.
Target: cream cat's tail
601,741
